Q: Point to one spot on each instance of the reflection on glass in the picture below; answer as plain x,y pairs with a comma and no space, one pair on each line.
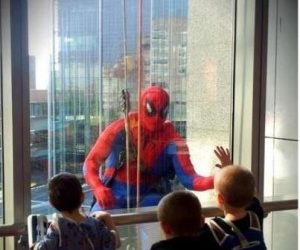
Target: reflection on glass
83,53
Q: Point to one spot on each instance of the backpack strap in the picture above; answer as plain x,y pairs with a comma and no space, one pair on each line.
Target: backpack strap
243,241
216,227
55,226
254,221
217,231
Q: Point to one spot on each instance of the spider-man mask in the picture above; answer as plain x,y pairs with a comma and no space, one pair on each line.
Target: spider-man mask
155,107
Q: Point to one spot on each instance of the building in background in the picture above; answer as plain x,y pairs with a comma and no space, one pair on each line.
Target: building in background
88,72
75,91
165,61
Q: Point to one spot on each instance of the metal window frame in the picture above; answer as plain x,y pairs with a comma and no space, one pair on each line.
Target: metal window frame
250,70
15,96
250,87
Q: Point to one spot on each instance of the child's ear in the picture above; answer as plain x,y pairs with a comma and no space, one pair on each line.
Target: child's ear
220,199
166,228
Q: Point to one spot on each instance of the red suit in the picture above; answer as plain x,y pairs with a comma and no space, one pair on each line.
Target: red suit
164,154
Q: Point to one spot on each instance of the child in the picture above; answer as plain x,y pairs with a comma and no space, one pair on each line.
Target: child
71,229
235,189
180,217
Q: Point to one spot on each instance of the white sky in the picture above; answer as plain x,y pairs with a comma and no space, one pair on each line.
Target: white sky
40,24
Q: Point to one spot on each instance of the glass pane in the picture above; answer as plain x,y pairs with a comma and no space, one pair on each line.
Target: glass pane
140,236
281,171
280,229
281,133
209,82
84,53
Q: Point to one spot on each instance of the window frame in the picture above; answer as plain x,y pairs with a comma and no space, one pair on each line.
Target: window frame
250,48
250,87
15,89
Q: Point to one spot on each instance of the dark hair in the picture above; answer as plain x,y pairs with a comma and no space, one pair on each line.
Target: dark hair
181,211
65,192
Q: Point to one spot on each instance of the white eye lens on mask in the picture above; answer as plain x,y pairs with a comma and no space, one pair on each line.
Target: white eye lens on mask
149,108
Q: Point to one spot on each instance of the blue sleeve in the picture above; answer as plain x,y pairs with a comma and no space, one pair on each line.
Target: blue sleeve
183,169
115,159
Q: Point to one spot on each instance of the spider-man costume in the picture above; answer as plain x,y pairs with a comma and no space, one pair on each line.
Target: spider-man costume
164,154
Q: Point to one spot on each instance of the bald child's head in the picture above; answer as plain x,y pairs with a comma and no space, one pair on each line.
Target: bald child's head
236,185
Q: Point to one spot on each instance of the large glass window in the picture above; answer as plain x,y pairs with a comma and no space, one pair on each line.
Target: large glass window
275,237
281,135
281,125
83,53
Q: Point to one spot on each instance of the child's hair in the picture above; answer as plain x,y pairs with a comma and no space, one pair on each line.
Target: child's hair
181,211
236,184
65,192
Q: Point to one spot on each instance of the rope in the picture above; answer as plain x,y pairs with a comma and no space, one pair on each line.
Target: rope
139,81
126,104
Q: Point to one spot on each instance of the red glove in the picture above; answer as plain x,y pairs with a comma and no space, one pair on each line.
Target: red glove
104,197
203,183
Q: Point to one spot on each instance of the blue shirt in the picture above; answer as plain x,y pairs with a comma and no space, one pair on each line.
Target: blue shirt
91,234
